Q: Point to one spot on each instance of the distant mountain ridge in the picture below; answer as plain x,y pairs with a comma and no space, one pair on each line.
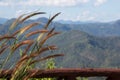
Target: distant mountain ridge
74,22
93,28
82,44
3,20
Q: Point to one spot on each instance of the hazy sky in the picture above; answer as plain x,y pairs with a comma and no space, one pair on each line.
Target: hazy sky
82,10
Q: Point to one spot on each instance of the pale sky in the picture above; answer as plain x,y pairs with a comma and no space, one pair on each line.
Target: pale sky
76,10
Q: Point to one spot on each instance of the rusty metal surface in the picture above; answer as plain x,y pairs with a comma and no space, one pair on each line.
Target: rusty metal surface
64,72
113,78
84,72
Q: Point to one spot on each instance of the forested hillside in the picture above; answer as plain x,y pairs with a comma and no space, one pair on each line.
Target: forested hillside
84,50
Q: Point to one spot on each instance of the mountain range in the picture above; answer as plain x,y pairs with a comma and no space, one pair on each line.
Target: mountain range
84,50
80,46
3,20
90,44
101,29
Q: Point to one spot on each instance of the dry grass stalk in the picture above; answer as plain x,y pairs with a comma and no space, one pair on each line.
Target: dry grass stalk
33,14
45,58
36,53
47,24
51,31
36,32
3,44
3,49
48,36
30,75
28,27
22,43
26,60
27,48
21,61
16,32
16,22
6,37
40,37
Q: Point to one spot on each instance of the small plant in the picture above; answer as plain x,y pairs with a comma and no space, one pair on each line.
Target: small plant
29,49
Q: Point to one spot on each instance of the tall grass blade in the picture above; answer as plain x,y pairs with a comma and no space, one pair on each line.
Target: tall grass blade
36,53
6,37
33,14
21,43
36,32
45,58
16,22
47,24
3,49
28,27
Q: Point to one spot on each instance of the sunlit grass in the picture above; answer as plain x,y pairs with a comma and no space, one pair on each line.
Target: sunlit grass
32,47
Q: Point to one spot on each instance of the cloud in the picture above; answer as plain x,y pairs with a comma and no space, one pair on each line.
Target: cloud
99,2
86,16
20,12
4,4
7,3
58,3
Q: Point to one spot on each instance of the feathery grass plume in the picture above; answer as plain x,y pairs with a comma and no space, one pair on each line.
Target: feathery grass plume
33,14
21,61
16,22
27,60
36,32
3,44
14,47
22,30
48,36
32,74
51,31
40,36
20,73
16,32
36,53
21,43
50,20
45,58
27,48
46,26
3,49
6,37
20,70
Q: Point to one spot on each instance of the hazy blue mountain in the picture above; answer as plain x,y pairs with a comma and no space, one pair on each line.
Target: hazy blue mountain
94,28
97,28
3,20
82,44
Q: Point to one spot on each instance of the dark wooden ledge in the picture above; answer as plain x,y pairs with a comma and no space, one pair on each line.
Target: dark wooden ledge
112,74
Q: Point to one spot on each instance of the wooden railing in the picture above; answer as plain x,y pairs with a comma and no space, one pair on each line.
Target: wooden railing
69,73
